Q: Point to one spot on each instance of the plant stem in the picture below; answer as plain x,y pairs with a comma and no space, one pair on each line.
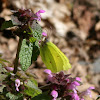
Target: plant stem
17,55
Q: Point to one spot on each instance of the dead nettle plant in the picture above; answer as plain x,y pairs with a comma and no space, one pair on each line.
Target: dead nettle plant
32,42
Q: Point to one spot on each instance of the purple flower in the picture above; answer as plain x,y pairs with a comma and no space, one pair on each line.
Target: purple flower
41,11
54,94
72,85
65,86
74,96
26,12
48,71
25,17
50,74
44,34
87,92
17,84
38,15
78,79
9,68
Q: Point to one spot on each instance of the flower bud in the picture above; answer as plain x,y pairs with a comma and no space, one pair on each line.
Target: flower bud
44,34
9,68
17,84
54,94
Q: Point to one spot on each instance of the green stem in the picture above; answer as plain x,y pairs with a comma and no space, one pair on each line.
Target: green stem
17,55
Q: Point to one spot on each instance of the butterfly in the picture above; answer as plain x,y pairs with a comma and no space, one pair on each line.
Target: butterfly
53,58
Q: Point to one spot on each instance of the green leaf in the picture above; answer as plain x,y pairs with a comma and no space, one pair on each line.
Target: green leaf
1,88
2,77
32,88
98,97
15,20
2,61
36,30
36,52
32,39
25,54
0,55
0,65
43,96
14,97
7,24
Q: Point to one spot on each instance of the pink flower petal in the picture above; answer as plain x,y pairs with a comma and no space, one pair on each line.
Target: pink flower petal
87,92
9,68
38,15
44,34
48,71
78,79
17,84
91,88
54,94
41,11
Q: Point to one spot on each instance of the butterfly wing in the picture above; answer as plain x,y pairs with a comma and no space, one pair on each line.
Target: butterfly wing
62,62
56,56
47,58
53,58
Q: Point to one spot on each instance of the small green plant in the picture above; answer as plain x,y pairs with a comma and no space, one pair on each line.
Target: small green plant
32,41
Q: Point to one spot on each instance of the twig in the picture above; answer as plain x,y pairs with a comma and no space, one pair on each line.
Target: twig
17,55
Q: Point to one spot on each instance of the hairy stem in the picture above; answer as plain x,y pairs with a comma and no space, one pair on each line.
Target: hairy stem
17,55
